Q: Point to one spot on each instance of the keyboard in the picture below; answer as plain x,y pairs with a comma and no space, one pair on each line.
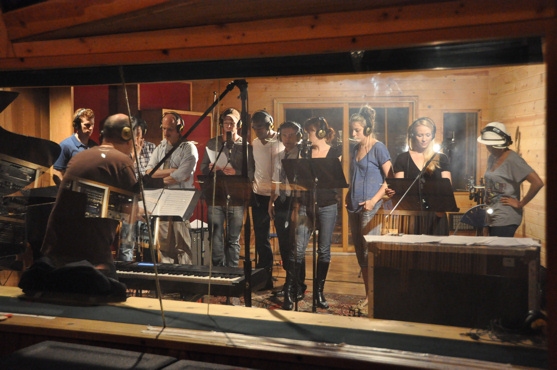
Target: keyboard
189,279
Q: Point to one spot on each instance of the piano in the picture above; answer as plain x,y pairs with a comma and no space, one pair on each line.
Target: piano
25,205
189,279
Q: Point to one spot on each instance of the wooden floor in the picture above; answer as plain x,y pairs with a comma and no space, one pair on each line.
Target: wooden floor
343,277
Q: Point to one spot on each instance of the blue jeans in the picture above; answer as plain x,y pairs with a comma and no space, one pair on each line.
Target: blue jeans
261,228
360,226
284,228
225,253
325,222
127,242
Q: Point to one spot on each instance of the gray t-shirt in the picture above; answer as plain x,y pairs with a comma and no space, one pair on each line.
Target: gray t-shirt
504,181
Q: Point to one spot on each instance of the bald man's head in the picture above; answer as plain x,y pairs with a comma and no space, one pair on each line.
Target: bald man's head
117,129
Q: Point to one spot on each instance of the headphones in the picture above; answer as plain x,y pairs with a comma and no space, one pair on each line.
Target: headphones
504,135
291,124
179,121
77,118
126,132
369,127
321,132
226,113
415,123
264,117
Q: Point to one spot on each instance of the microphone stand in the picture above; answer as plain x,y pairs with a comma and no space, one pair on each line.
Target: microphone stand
243,86
305,153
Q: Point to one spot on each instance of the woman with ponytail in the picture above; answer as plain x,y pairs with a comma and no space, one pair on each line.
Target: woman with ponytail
370,164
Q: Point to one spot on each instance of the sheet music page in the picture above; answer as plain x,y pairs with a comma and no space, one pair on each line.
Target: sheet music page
512,242
465,240
173,203
403,238
223,161
452,240
152,198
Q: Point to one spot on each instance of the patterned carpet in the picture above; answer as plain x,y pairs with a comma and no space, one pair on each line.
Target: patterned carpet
339,304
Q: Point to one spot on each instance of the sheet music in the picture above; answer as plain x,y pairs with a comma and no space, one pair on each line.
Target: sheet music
223,161
453,240
151,199
403,238
168,202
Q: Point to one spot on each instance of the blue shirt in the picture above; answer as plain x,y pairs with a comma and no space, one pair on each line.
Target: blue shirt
70,147
366,175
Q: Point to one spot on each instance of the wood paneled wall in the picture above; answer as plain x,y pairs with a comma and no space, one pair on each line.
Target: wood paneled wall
514,95
517,97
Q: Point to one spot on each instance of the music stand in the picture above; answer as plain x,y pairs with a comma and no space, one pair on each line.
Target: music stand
435,195
235,186
304,172
311,174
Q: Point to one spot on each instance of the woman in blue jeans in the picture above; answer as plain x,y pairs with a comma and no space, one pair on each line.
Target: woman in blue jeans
370,164
320,135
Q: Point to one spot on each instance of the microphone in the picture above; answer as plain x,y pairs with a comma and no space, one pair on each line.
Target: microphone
305,146
229,142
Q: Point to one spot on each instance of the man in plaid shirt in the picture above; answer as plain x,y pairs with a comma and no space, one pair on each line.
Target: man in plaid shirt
143,148
129,233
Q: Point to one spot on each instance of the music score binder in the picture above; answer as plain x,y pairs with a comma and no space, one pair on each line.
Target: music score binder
175,204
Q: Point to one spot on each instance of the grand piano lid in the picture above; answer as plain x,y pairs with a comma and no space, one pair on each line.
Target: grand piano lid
26,148
6,98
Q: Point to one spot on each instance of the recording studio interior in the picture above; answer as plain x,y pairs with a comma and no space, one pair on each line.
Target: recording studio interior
429,284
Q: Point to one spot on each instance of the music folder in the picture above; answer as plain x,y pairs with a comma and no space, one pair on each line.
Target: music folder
435,195
229,189
304,173
175,204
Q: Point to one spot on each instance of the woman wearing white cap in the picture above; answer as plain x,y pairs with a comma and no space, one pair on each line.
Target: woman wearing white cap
506,170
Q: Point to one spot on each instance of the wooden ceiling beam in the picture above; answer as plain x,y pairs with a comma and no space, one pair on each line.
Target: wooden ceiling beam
6,48
287,48
337,25
59,14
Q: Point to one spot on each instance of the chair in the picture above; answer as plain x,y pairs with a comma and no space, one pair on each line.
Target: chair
474,217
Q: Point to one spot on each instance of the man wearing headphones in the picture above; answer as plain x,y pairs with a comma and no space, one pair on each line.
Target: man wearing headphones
265,150
70,237
225,201
177,173
282,205
83,124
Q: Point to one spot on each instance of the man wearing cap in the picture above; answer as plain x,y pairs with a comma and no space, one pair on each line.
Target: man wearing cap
225,211
506,171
